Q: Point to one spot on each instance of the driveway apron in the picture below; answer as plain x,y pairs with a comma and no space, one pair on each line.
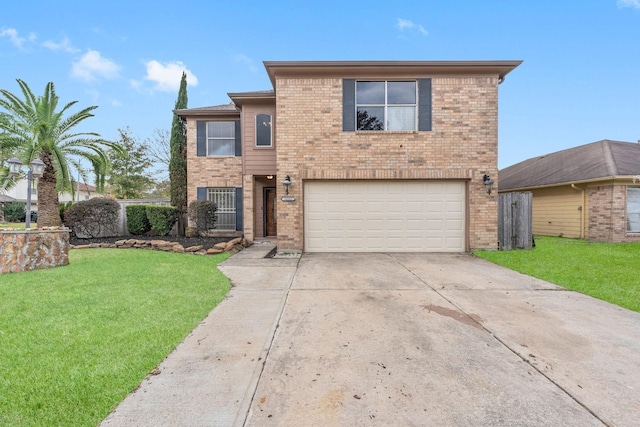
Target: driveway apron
442,339
395,339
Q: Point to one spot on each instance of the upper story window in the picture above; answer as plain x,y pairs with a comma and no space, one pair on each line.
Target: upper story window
218,138
263,130
386,105
221,139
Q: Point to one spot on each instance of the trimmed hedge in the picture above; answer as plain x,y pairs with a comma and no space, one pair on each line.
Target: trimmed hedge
202,214
14,211
162,218
137,222
97,217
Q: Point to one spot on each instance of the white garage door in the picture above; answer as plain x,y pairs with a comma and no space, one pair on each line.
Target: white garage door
384,216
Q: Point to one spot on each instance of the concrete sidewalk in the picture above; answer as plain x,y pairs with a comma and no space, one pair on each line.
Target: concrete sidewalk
395,339
209,379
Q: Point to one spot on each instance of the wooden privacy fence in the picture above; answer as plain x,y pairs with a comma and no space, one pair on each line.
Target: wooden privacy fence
515,221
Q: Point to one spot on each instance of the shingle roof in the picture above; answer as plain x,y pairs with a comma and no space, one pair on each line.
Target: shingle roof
211,110
586,162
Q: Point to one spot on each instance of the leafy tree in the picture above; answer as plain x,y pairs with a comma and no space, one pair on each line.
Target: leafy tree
161,189
178,160
129,175
34,129
367,122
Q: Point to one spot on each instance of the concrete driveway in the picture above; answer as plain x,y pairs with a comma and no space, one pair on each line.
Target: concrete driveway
395,339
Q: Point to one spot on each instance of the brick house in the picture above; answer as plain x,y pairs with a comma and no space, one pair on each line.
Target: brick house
591,191
380,155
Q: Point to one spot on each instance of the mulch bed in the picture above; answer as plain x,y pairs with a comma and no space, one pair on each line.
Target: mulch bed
206,242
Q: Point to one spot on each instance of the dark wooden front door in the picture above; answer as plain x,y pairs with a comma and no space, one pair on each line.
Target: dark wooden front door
270,213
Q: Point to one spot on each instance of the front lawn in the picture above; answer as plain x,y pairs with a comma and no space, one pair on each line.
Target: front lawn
608,271
75,340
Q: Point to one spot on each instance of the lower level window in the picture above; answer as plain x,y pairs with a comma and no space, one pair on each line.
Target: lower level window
633,209
225,199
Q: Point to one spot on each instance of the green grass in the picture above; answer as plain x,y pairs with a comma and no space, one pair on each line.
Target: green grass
75,340
608,271
16,225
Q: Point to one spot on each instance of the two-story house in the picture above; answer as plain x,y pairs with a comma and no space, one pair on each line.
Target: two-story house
359,156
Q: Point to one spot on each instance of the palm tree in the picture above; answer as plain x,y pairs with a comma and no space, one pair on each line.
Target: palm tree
34,129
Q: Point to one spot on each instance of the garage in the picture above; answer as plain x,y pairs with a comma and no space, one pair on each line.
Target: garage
384,216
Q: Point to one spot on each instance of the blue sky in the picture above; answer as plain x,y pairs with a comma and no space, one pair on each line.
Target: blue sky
579,83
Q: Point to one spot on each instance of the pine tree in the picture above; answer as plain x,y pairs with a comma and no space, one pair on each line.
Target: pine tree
178,161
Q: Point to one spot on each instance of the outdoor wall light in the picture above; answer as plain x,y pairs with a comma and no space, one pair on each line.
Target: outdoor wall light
488,183
36,169
269,177
286,183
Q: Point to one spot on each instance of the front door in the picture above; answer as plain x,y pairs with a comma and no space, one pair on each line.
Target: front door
270,222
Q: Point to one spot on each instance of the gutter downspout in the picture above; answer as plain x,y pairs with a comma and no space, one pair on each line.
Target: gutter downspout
582,215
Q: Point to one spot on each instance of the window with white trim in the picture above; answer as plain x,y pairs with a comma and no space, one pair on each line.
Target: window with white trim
225,200
386,105
263,130
633,209
221,137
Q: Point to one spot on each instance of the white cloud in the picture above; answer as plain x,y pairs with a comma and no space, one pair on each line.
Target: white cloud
629,3
13,36
64,45
92,66
116,103
135,84
244,59
167,76
407,25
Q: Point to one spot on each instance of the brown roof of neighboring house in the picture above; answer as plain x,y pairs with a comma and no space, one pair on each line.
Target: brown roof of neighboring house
599,159
86,187
214,110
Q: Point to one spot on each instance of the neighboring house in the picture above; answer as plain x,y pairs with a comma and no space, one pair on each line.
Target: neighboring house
381,156
19,193
591,191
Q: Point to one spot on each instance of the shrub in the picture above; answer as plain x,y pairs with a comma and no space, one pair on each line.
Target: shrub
97,217
63,207
202,214
137,222
162,218
14,211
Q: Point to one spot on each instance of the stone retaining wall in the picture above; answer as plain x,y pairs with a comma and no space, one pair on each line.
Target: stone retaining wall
24,250
233,246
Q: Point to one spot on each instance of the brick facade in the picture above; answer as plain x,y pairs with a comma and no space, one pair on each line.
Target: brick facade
209,171
608,213
310,144
461,146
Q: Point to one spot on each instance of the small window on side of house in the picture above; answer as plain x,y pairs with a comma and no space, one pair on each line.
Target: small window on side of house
633,209
263,130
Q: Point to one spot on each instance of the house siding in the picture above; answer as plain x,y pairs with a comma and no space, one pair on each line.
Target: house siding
258,160
461,146
558,211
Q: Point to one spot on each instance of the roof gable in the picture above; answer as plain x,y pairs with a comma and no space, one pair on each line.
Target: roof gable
599,159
